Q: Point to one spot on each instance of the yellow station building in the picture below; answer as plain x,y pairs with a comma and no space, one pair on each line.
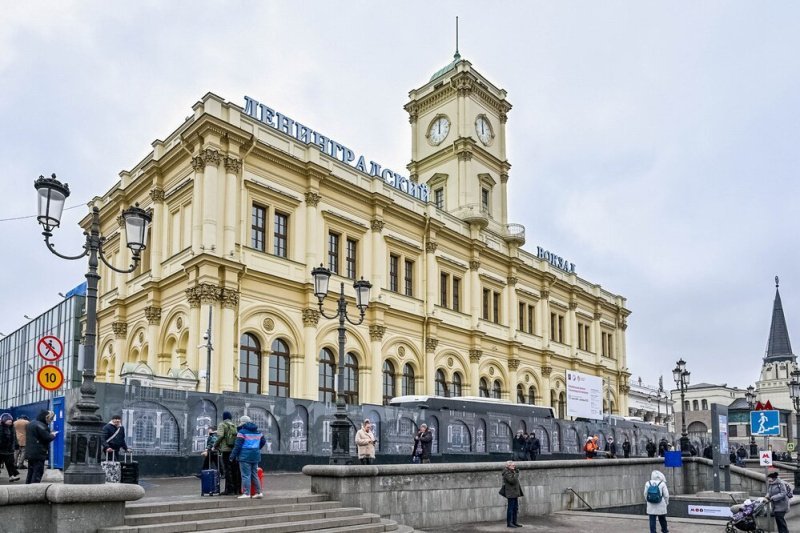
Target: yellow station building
246,200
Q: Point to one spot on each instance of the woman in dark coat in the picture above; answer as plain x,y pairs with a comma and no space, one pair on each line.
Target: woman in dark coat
423,441
8,443
38,437
512,490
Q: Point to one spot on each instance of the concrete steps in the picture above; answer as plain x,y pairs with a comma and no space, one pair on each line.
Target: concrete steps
273,514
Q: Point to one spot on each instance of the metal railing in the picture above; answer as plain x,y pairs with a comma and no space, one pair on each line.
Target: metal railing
570,489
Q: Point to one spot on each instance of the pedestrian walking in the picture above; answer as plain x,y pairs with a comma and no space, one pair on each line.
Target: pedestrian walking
365,440
650,448
611,448
656,494
626,448
423,441
512,491
8,442
778,493
518,446
247,450
38,439
741,455
114,436
21,427
226,440
533,447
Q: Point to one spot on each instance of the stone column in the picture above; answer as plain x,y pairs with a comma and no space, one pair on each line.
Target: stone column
153,316
430,367
475,372
120,356
432,278
200,297
313,229
476,303
547,387
158,230
192,358
513,379
233,167
510,297
265,353
375,392
229,300
379,258
197,204
211,159
311,354
544,324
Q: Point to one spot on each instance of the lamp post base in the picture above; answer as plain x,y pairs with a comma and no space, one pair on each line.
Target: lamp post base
86,444
340,438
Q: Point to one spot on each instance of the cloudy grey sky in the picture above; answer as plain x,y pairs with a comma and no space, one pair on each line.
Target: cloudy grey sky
653,144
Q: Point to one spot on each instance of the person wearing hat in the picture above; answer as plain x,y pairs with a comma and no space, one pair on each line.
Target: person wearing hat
778,494
226,440
247,451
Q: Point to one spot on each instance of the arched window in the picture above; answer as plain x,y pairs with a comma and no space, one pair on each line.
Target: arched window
327,370
520,393
388,382
409,388
705,405
249,364
441,383
532,395
351,379
456,384
496,389
279,369
483,388
695,405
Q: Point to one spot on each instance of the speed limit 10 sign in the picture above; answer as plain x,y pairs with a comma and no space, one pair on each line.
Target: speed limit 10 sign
50,377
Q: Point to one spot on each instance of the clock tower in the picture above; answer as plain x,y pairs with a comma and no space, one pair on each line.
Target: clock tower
458,144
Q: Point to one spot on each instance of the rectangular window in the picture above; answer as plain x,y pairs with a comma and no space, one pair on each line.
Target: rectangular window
580,337
281,234
258,228
611,346
443,282
733,430
351,258
333,252
487,295
438,198
553,324
531,314
560,329
586,337
408,272
603,344
456,294
394,264
496,307
521,317
485,199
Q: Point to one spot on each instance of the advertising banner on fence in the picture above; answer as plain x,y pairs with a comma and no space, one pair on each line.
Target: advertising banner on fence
584,396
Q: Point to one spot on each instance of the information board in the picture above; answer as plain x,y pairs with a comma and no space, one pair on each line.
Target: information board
584,396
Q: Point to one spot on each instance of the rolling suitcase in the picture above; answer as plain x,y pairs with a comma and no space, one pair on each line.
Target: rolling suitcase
129,470
209,480
111,468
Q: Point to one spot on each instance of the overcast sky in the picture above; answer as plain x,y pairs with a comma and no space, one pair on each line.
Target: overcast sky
655,145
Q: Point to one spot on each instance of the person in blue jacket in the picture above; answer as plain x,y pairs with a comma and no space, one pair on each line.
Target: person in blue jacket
247,450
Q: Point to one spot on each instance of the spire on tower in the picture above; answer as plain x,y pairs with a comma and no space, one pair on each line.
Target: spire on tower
778,346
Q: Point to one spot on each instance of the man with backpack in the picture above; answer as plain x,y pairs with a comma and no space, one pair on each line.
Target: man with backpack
656,495
779,493
226,439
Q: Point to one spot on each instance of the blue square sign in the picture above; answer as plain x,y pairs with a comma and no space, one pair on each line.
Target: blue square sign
765,423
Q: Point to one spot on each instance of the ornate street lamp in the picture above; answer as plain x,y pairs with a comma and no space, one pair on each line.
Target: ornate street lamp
681,377
85,422
750,396
340,427
794,393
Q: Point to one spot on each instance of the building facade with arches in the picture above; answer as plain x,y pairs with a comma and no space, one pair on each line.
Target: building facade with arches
246,201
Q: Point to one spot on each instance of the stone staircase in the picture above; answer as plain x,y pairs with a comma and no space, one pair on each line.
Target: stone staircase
284,513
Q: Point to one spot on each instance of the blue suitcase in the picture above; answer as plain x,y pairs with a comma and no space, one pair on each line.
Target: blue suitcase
209,480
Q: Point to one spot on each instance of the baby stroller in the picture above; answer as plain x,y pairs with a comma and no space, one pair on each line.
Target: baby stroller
749,516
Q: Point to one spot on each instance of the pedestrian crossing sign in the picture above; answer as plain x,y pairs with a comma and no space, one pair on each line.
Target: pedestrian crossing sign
765,423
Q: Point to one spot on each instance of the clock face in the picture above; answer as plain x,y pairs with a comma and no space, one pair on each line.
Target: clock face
439,130
484,130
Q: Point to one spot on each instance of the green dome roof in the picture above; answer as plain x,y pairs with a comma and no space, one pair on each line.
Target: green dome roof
447,68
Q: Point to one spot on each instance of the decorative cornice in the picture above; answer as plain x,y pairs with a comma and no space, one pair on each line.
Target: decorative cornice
474,264
504,177
157,194
310,317
512,280
120,329
376,332
624,389
121,221
503,118
233,165
622,322
430,344
153,315
573,305
203,293
431,246
513,364
545,294
376,225
198,164
475,356
598,315
463,85
547,370
210,157
229,298
413,112
312,199
465,156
